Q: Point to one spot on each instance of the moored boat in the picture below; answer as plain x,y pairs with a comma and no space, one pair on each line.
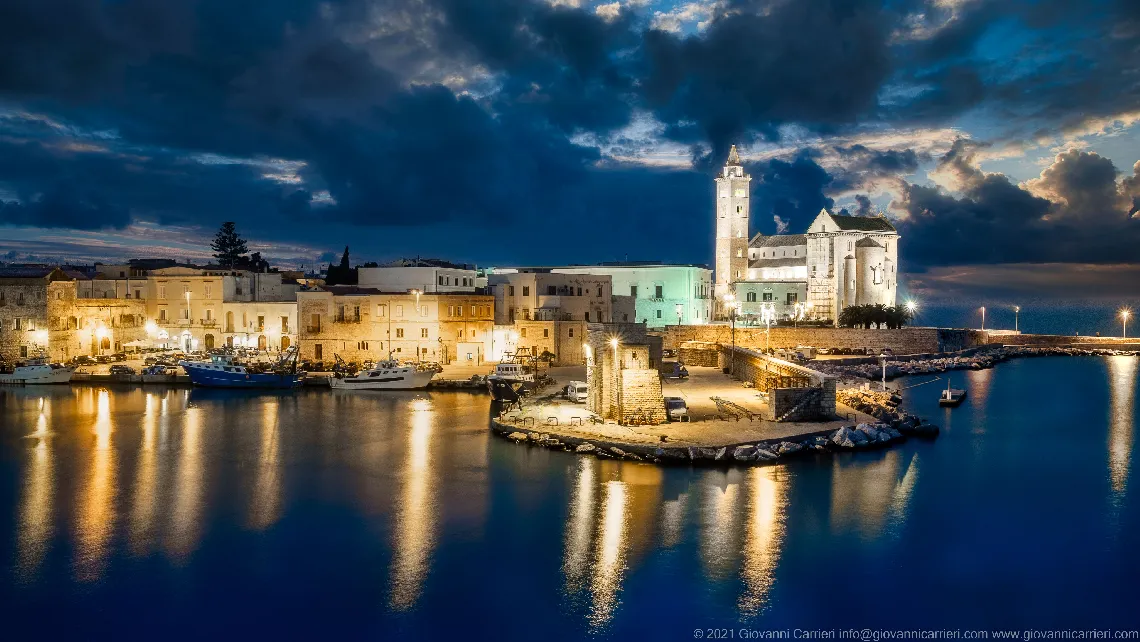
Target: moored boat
36,371
951,396
223,371
508,381
385,375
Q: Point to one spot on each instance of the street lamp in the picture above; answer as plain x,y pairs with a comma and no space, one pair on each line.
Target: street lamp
1016,312
1124,314
983,317
417,294
767,316
680,310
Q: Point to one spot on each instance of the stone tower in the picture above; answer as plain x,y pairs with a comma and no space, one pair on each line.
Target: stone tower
732,209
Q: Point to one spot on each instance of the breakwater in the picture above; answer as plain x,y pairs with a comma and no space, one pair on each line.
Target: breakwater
975,359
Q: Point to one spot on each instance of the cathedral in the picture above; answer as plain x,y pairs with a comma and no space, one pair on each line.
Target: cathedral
838,262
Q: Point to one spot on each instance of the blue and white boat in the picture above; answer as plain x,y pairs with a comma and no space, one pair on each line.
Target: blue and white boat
222,371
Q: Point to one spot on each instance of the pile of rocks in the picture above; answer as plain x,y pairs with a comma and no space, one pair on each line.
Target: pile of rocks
978,361
884,406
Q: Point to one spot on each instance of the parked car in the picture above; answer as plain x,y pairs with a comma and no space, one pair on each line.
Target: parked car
886,352
83,360
668,354
103,358
119,356
160,370
576,391
118,369
676,409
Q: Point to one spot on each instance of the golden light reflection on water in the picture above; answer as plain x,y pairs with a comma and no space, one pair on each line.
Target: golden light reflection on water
719,536
266,504
673,520
767,506
96,510
609,567
578,527
1122,394
412,537
868,495
186,515
145,502
979,387
35,518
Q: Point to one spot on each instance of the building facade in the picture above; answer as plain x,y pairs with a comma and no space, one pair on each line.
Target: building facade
358,324
838,262
428,276
662,294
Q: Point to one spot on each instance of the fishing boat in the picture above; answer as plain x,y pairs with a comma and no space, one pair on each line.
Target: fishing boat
506,383
35,371
951,396
224,371
385,375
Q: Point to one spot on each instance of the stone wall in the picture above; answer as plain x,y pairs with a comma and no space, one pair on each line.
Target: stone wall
622,381
795,393
1061,340
23,305
641,396
901,341
699,353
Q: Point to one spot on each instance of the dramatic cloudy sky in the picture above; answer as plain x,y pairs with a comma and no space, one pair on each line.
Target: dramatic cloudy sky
1001,135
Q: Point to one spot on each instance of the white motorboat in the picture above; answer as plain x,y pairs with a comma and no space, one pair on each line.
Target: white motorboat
385,375
36,371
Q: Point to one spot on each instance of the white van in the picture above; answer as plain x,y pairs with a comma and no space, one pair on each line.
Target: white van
577,391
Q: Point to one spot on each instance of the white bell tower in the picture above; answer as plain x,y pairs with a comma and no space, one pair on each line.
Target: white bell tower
732,211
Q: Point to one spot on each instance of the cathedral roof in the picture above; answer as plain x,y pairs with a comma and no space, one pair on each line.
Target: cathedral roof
863,223
778,240
867,241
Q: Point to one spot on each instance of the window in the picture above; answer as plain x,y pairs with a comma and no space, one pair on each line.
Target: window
522,332
423,333
739,193
750,297
161,291
441,281
657,291
545,333
23,352
551,290
399,333
318,351
512,289
260,322
209,290
315,323
381,310
459,334
362,345
792,297
162,314
423,311
19,323
599,290
739,253
399,310
587,315
633,291
186,313
659,314
570,333
579,291
209,314
284,325
472,310
526,290
767,296
451,310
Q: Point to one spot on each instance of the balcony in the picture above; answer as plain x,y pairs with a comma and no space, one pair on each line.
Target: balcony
209,323
346,319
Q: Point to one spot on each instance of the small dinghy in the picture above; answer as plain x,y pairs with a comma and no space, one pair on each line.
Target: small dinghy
951,396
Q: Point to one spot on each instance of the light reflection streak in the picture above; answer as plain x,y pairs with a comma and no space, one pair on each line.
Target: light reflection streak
145,503
415,519
609,567
97,512
578,529
267,491
866,495
35,521
1122,393
187,507
767,505
719,522
673,520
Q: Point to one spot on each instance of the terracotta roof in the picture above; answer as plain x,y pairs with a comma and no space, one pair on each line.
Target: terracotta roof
779,240
863,223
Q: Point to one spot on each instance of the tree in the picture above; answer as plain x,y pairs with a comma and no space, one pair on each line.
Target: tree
863,316
341,274
228,246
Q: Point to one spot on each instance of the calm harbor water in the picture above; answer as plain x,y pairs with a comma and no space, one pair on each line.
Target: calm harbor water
149,513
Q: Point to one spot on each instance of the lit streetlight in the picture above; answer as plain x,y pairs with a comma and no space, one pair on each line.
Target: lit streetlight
1016,312
1124,314
983,317
416,293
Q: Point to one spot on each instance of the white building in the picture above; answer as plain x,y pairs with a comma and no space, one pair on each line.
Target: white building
662,294
426,275
840,260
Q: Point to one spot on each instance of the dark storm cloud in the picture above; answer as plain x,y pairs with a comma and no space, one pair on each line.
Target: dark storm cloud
1075,212
352,92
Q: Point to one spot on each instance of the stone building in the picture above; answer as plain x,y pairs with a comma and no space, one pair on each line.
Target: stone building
659,294
359,323
621,376
838,262
425,275
23,309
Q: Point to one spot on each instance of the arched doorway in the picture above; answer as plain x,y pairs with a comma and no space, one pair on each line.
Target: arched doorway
104,344
261,342
284,343
209,342
230,324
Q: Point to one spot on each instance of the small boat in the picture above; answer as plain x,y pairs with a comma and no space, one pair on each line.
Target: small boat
385,375
223,371
951,396
36,371
507,382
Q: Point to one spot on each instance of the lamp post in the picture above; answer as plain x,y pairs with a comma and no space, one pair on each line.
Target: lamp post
983,317
730,303
617,378
1124,314
417,294
1016,312
767,315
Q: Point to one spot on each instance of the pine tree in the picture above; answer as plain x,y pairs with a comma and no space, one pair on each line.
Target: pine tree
228,246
